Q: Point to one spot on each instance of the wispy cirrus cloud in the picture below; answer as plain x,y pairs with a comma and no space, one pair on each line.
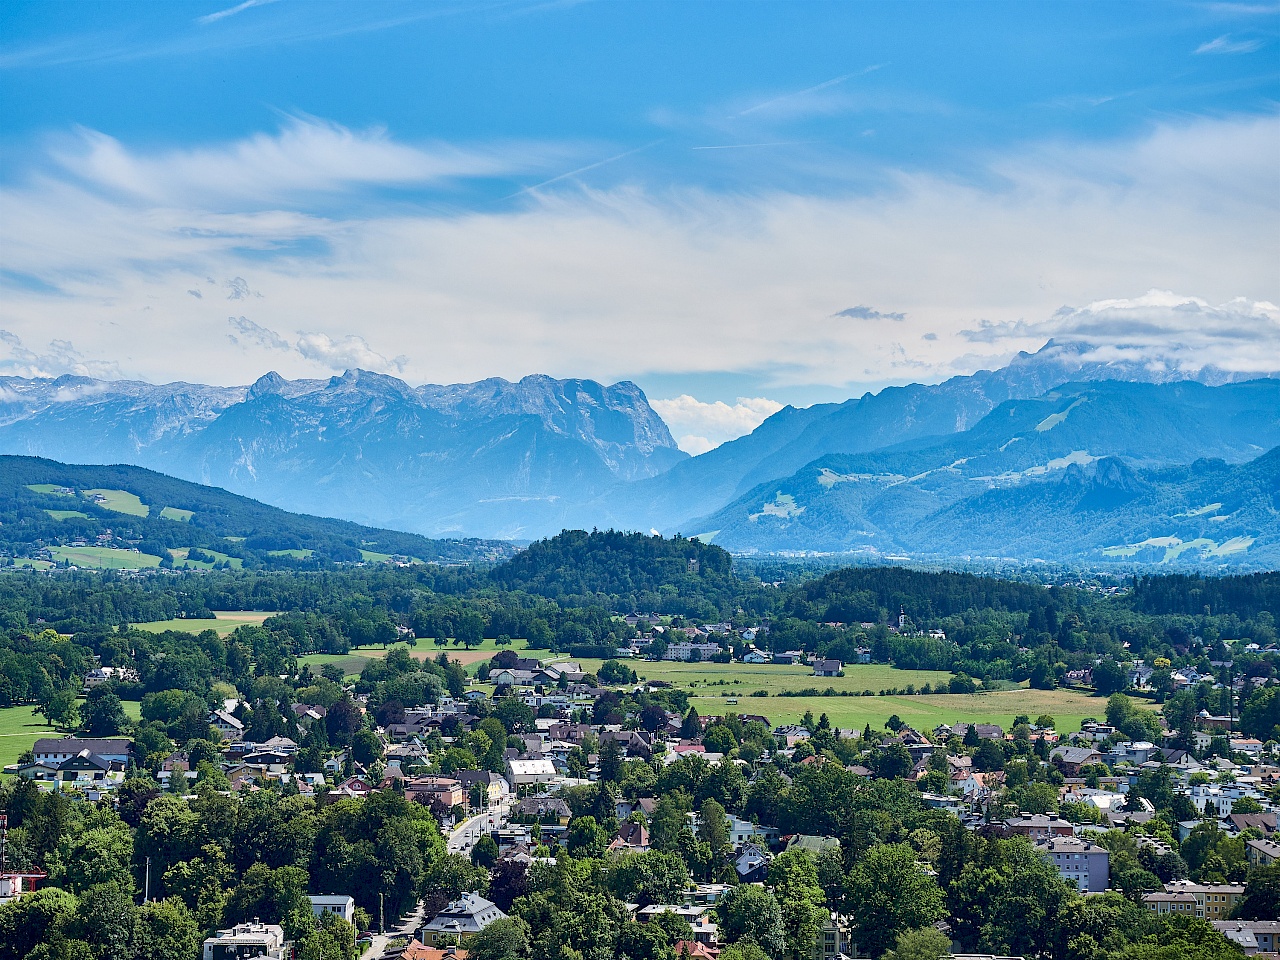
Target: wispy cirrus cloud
625,282
1225,44
230,11
305,156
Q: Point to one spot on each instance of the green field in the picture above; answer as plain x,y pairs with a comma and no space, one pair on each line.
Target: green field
66,514
120,501
296,554
29,563
225,621
743,678
181,562
52,489
173,513
104,558
1067,708
351,663
19,730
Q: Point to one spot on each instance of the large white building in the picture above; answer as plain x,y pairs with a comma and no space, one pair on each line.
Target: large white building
248,940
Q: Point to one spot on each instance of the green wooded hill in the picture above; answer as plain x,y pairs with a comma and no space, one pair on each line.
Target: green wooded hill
613,567
97,516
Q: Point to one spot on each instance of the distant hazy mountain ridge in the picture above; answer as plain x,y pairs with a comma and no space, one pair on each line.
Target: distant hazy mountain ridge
502,457
1073,453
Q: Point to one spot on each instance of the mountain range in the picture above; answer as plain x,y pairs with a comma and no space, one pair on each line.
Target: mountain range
509,459
1055,456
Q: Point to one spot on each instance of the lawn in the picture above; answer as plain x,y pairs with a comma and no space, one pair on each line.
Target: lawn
104,558
225,622
351,663
120,501
1067,708
746,677
173,513
66,514
19,730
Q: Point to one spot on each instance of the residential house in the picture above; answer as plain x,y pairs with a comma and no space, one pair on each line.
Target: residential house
985,731
743,831
1253,937
259,940
521,771
631,836
751,862
460,920
415,950
58,749
1072,759
1080,862
1039,826
834,942
828,668
1161,903
100,675
227,726
1214,901
495,789
755,656
340,906
1262,853
686,652
444,791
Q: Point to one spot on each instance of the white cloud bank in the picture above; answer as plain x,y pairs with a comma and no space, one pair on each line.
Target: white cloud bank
700,426
1168,332
102,246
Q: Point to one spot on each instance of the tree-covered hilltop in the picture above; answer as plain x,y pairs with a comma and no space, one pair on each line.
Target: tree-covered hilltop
622,570
44,504
1244,596
864,593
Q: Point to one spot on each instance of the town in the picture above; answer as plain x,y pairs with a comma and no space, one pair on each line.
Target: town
526,802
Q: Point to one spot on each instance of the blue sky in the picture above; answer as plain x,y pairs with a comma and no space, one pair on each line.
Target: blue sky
774,202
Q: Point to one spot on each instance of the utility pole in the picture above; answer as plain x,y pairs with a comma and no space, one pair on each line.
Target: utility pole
146,886
382,918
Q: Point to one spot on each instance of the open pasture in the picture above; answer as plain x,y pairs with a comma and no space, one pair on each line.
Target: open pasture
225,621
119,501
104,558
743,678
1067,707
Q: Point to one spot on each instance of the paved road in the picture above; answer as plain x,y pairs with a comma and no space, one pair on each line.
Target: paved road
406,926
465,835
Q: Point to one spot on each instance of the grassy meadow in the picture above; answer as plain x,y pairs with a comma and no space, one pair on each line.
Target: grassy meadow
104,558
119,501
225,621
923,713
20,729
